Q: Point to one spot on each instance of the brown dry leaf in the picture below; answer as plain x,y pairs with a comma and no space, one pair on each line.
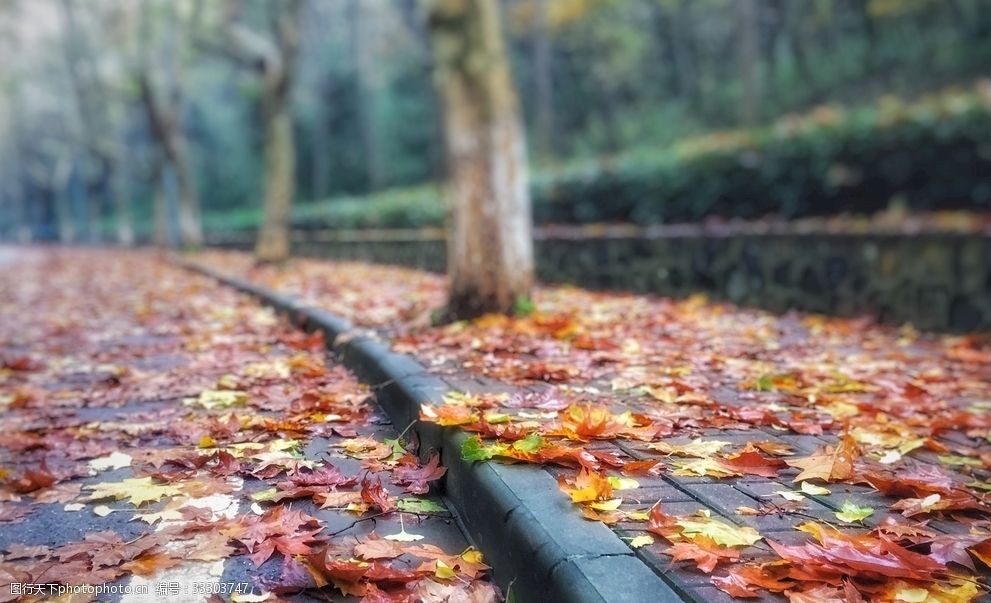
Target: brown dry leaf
830,464
150,564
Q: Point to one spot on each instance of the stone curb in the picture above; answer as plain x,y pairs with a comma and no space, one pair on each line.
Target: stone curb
538,546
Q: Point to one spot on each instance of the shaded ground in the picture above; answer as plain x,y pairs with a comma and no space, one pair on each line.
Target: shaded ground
160,430
821,458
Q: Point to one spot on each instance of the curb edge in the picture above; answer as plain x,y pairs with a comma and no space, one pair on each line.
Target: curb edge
539,548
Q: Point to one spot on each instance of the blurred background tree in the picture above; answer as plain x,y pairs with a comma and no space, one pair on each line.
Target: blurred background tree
490,245
596,78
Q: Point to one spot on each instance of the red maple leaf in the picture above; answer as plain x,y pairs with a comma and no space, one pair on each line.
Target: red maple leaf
415,479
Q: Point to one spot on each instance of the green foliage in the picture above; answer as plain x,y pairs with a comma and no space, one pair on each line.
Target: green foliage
412,207
936,151
523,306
420,505
930,152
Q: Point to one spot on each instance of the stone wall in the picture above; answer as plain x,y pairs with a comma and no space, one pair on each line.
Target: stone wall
934,281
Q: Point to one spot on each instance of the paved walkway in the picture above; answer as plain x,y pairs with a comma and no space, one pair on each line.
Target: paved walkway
773,444
162,432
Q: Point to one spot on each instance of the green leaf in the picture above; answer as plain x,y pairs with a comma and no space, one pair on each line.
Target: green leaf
979,485
473,450
419,505
623,483
263,495
397,449
523,306
531,443
852,513
954,460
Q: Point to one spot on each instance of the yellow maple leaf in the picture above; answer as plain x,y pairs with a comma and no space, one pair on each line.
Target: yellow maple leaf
701,468
697,448
137,491
211,399
719,532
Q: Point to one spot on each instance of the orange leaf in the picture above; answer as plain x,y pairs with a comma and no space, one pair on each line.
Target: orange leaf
587,486
751,462
706,553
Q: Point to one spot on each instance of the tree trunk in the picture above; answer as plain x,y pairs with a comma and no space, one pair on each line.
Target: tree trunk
91,105
280,173
174,149
93,209
273,57
490,245
160,207
190,221
122,210
166,121
61,181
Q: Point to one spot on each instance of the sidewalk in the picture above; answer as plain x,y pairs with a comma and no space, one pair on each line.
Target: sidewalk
165,435
800,455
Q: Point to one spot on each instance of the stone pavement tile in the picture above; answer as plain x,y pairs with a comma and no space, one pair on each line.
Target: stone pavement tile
804,444
725,499
687,481
650,492
767,493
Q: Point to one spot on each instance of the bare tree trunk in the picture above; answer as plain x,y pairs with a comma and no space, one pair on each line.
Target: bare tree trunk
23,222
490,245
160,207
164,124
93,209
544,86
280,179
122,210
95,125
63,209
274,58
747,14
190,220
165,117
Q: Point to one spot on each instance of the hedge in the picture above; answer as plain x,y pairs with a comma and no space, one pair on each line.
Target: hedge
934,152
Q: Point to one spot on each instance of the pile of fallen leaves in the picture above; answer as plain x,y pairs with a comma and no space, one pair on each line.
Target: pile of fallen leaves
620,393
162,422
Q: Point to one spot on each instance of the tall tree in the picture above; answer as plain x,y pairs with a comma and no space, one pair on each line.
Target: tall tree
160,206
490,244
163,105
272,57
92,104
